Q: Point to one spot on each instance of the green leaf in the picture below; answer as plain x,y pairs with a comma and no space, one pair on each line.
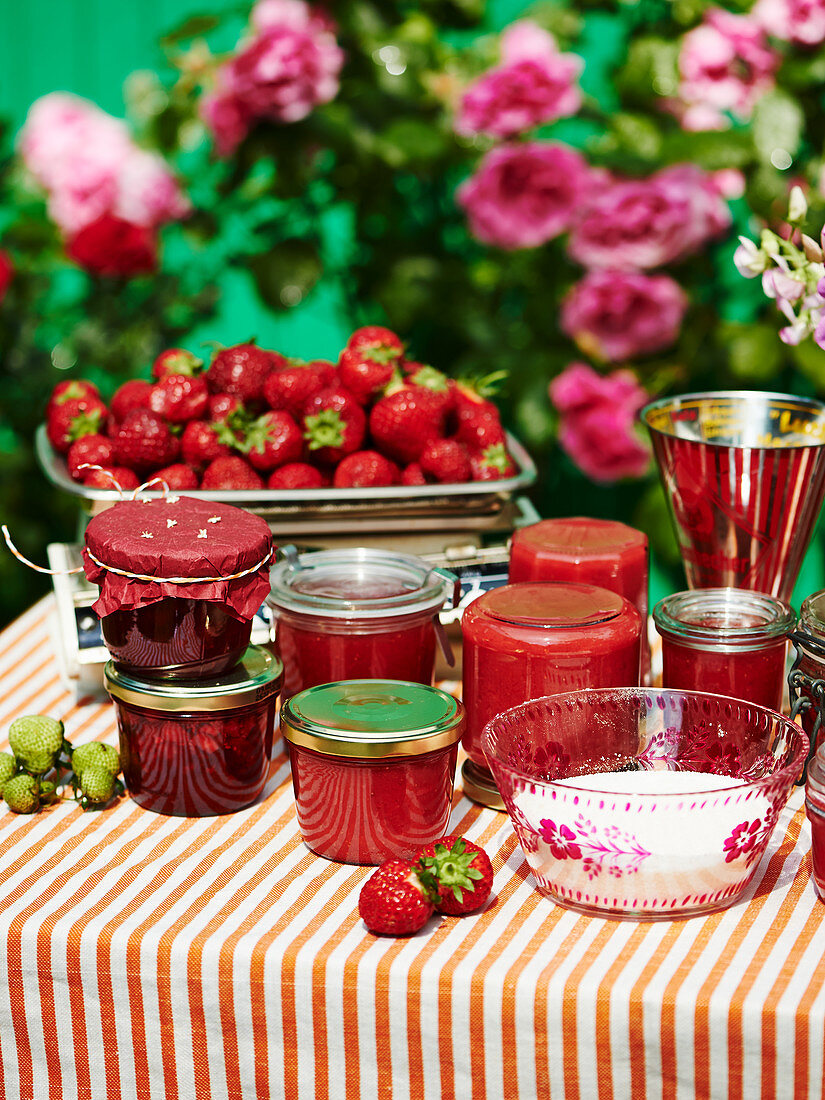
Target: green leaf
711,150
651,64
192,27
637,134
778,123
286,274
810,358
410,140
754,351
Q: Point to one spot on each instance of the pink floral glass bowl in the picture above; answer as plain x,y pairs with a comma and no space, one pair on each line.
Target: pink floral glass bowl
638,853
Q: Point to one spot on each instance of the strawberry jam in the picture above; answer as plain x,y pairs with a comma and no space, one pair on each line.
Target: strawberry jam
197,747
373,763
727,641
353,614
815,807
523,641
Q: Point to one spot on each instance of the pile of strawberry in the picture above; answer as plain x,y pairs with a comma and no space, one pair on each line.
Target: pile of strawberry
253,419
452,875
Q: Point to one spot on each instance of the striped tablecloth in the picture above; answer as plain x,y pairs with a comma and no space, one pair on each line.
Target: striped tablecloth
147,956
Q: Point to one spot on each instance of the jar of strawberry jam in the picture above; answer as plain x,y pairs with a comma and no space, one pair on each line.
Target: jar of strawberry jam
806,681
180,581
193,748
357,613
373,763
815,809
728,641
526,640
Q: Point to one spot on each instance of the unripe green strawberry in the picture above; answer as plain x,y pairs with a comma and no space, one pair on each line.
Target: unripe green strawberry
48,792
8,766
20,794
36,740
96,783
97,754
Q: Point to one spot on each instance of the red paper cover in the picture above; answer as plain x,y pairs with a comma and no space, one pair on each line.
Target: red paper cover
178,536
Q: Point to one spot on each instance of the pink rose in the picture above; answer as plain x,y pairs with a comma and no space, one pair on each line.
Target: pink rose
282,74
725,65
534,84
523,195
114,248
798,21
639,224
597,427
615,315
147,192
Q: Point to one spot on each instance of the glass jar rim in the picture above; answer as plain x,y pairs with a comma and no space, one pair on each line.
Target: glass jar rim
812,613
679,616
430,587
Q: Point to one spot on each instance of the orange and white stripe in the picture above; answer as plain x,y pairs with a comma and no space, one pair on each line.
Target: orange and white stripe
170,958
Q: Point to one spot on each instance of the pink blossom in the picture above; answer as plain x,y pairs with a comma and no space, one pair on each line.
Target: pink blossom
644,223
725,65
289,67
523,195
615,315
597,427
798,21
90,167
534,84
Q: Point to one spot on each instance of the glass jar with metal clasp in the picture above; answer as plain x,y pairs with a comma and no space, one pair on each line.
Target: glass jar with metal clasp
806,680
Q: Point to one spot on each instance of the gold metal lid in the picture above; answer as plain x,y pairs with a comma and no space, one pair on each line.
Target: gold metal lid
481,788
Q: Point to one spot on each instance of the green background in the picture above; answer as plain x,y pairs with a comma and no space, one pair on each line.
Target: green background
90,47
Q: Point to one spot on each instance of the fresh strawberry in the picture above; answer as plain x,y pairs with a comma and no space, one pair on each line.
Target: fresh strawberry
222,405
290,387
111,477
273,440
334,424
176,361
492,464
73,417
200,445
376,338
366,372
180,397
363,469
90,450
412,474
144,442
404,420
446,460
327,370
297,475
178,476
462,871
480,430
242,371
472,398
232,472
436,381
394,901
133,394
71,389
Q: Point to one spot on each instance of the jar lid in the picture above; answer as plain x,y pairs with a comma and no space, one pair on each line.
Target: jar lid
141,551
372,718
551,605
733,618
359,582
257,676
813,614
581,535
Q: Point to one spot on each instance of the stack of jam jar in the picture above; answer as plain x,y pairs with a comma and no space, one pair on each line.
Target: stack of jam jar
180,582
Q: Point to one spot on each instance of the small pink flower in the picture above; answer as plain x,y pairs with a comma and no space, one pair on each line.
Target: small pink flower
534,84
799,21
644,223
524,195
615,315
597,427
742,839
560,839
228,120
725,65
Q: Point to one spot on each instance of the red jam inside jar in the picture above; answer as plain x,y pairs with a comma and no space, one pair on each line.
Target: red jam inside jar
373,764
815,808
354,614
180,582
526,640
807,678
199,747
727,641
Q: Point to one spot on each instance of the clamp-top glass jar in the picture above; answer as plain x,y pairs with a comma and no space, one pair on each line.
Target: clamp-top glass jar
806,681
357,613
815,808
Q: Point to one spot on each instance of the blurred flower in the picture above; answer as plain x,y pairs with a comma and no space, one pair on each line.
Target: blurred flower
615,315
644,223
597,427
798,21
113,247
6,272
749,259
89,166
523,195
534,84
725,65
290,66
